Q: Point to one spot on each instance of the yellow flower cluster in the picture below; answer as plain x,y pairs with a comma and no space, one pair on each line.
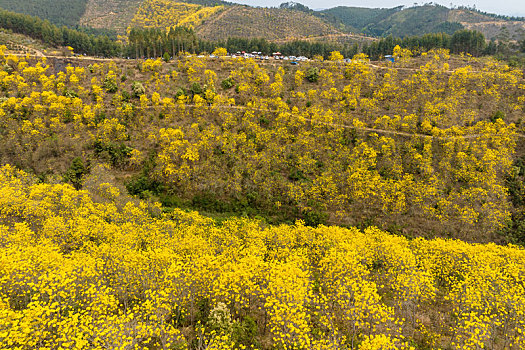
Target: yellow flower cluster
94,269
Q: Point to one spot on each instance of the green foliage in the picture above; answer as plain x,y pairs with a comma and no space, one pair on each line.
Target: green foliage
497,115
468,41
166,57
312,74
144,186
148,42
314,218
245,332
110,84
180,92
76,173
55,36
355,18
227,83
137,89
52,10
196,89
411,21
126,97
515,231
397,21
116,154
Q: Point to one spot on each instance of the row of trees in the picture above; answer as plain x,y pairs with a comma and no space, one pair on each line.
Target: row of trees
467,41
148,42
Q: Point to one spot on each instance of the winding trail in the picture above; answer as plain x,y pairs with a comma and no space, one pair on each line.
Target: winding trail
337,125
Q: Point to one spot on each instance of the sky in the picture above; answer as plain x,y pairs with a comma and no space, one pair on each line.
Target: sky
504,7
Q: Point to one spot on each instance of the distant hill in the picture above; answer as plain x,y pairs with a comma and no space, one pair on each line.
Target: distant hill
60,12
418,20
397,21
492,26
209,20
269,23
355,19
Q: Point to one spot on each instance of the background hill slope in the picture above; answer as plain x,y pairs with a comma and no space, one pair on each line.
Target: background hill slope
110,14
219,20
269,23
418,20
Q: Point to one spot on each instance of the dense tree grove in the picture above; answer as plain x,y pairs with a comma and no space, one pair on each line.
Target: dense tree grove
150,41
51,10
154,42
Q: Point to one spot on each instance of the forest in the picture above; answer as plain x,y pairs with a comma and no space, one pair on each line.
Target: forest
51,10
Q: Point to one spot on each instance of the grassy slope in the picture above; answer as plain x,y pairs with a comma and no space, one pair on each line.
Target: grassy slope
60,12
270,23
19,43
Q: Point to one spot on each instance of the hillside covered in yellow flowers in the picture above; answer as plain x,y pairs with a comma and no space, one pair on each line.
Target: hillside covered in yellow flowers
429,147
343,205
96,269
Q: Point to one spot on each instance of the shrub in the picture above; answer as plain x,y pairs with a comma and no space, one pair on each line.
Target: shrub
138,89
312,74
76,172
110,84
227,83
196,89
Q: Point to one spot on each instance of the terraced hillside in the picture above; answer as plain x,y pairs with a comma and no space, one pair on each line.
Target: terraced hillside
269,23
110,14
492,28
